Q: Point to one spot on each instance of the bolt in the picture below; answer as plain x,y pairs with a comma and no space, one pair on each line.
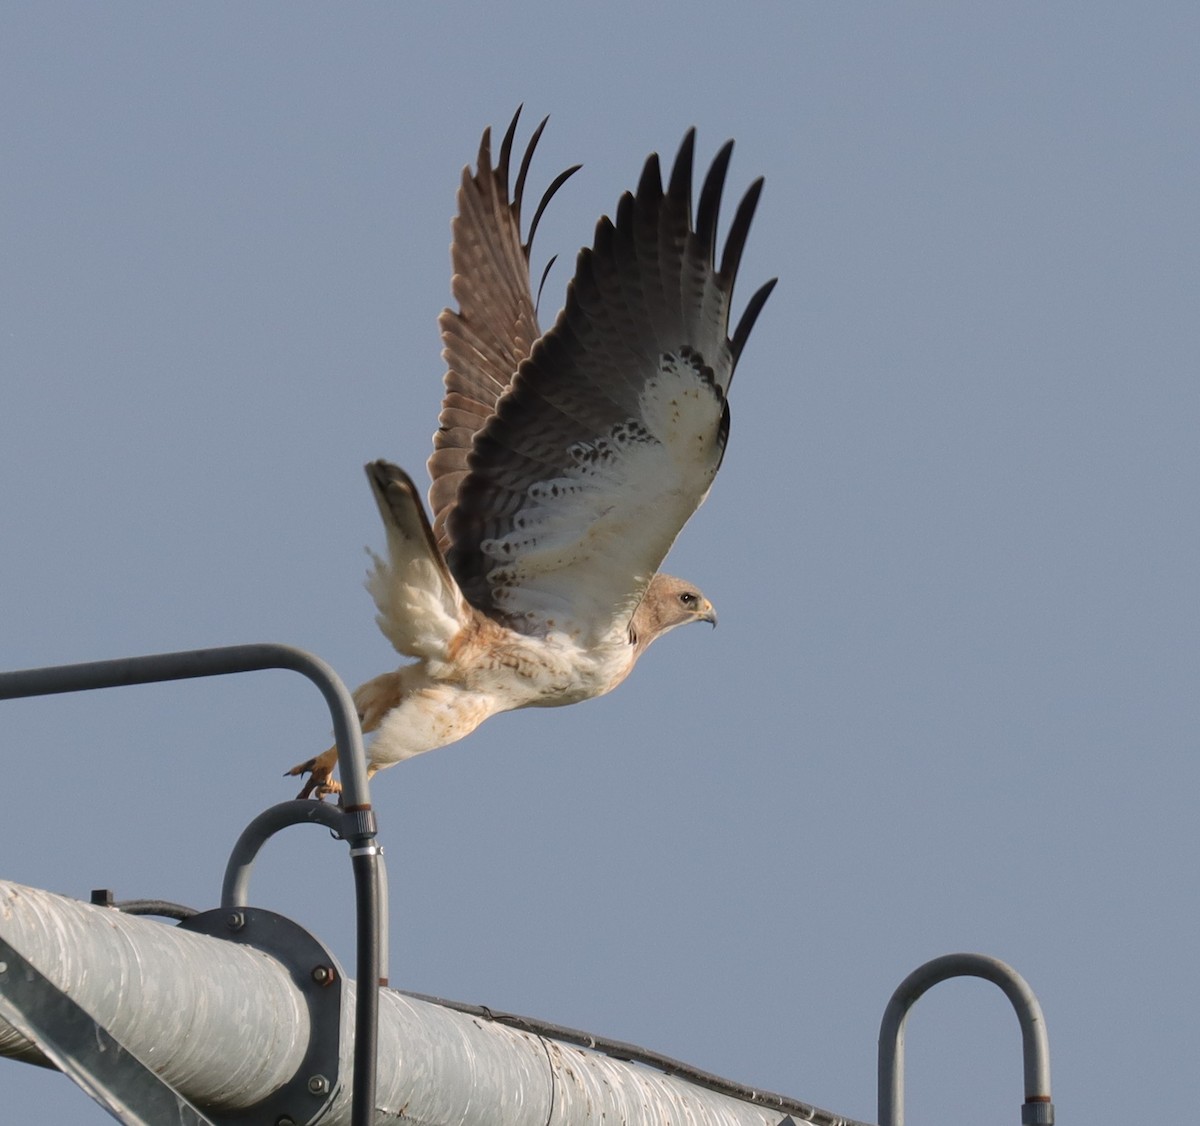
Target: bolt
3,967
235,920
285,1121
318,1085
323,975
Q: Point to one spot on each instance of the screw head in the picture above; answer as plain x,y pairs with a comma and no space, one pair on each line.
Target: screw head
323,975
235,920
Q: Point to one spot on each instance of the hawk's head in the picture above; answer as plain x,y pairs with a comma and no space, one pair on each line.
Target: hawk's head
667,603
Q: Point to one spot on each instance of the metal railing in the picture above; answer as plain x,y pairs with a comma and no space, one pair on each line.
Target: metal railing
1037,1109
353,822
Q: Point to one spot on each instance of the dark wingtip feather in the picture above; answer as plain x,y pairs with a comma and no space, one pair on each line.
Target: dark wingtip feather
483,159
602,240
742,333
547,196
519,192
735,243
650,184
623,220
542,284
680,187
506,145
710,200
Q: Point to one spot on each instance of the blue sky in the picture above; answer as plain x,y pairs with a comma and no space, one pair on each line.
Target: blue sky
954,545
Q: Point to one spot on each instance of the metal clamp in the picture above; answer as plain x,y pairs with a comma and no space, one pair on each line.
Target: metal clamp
317,975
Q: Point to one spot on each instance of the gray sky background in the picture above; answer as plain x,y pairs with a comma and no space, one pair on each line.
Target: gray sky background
952,703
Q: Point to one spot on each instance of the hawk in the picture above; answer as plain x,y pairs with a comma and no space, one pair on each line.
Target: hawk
565,463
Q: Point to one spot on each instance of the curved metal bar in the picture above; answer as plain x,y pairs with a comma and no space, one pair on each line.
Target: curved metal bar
187,664
357,823
235,889
1038,1109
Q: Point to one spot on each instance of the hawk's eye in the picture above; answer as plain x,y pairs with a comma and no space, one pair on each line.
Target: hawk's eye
688,599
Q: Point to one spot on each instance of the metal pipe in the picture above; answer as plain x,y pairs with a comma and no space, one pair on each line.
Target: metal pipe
85,1051
366,1009
223,1021
1038,1109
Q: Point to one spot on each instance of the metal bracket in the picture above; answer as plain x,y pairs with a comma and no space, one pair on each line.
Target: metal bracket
315,972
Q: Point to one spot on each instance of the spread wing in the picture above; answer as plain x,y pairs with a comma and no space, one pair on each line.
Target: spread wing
614,427
495,326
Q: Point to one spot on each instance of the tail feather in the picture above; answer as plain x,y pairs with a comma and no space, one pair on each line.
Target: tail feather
419,603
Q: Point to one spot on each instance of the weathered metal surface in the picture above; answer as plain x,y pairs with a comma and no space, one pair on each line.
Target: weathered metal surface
84,1050
220,1021
226,1025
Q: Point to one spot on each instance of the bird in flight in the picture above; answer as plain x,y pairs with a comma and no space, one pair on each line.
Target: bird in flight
565,463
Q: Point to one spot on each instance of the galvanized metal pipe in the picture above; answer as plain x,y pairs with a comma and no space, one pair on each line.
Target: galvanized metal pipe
226,1026
220,1021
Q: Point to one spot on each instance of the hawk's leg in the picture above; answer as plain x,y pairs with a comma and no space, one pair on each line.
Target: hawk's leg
321,780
